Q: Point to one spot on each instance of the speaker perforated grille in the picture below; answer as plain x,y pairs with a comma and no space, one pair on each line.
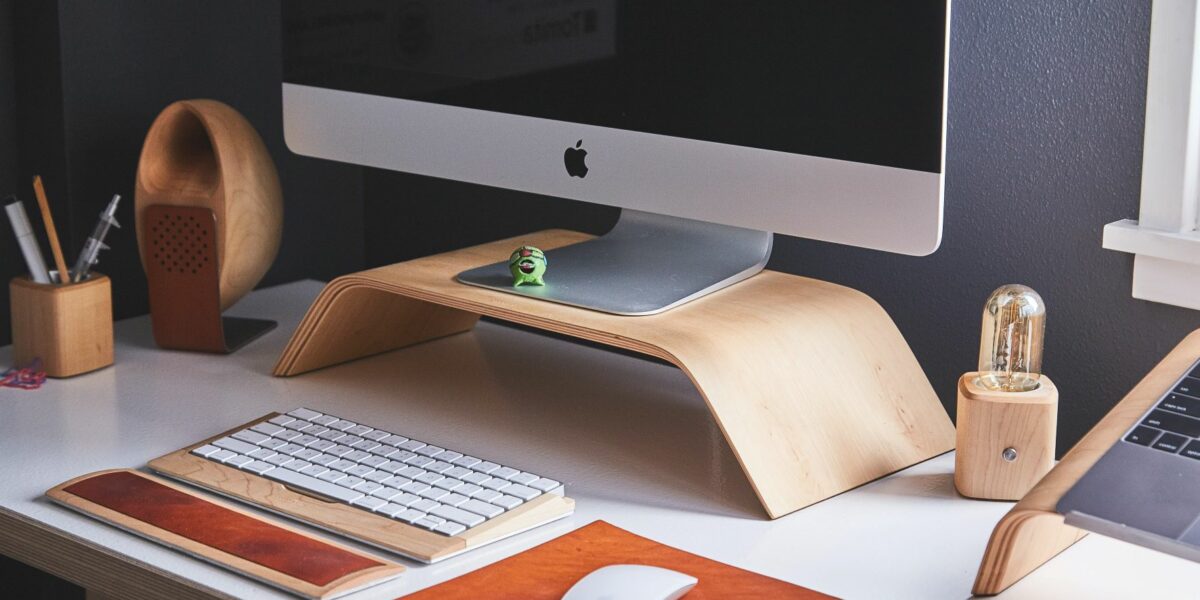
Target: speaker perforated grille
180,243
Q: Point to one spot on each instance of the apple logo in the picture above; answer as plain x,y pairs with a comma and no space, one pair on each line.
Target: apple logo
573,159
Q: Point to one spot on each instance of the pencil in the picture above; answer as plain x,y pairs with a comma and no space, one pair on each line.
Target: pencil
48,219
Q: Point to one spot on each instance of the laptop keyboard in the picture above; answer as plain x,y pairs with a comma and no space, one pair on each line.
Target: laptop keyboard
379,471
1173,425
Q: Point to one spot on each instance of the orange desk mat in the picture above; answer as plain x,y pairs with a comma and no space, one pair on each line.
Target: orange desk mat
549,570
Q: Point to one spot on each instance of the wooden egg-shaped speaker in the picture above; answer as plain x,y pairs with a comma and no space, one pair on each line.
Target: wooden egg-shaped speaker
209,213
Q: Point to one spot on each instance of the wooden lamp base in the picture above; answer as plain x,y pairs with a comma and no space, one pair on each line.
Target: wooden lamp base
811,383
1005,440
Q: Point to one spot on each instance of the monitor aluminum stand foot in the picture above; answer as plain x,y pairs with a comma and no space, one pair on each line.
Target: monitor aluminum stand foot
647,264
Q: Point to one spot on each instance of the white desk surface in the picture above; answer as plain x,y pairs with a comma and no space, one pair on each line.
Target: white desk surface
631,439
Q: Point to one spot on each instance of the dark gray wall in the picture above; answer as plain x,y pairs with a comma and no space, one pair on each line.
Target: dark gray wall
1044,148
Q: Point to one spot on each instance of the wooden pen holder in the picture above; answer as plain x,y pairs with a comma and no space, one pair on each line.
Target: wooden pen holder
1005,440
69,327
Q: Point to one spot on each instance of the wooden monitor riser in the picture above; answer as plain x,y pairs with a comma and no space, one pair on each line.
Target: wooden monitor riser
813,386
1032,532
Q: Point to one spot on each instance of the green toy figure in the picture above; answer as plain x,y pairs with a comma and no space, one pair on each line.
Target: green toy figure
528,265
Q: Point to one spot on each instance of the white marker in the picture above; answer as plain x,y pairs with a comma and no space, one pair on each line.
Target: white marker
28,243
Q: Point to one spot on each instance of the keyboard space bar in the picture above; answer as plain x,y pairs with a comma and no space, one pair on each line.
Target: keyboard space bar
312,484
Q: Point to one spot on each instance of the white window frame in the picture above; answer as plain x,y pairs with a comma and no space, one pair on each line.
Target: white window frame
1165,239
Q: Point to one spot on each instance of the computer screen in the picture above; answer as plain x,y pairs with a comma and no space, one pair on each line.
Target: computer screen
815,118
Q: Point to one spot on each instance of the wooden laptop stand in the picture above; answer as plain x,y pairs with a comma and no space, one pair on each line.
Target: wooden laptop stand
1033,532
811,383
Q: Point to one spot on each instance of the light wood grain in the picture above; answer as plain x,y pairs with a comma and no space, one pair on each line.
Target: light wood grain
245,567
69,327
1032,532
990,422
204,153
51,232
414,542
813,386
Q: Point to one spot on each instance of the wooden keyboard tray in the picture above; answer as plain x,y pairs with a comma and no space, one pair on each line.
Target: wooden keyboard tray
401,538
1032,532
811,383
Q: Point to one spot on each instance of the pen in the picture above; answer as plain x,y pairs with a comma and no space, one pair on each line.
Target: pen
29,245
95,242
51,231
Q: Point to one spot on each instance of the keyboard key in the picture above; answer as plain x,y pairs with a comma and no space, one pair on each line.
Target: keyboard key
304,413
314,430
281,420
297,465
427,523
272,443
1170,442
359,470
392,466
396,481
307,454
377,435
369,502
314,470
487,495
485,467
306,440
495,483
457,515
429,450
365,445
390,509
262,454
438,466
1142,436
415,487
384,451
466,461
324,420
312,484
412,445
434,493
222,455
403,455
339,450
409,516
239,460
1192,450
349,440
524,478
385,492
419,461
449,456
279,460
405,499
351,481
453,500
367,487
522,492
1172,422
505,473
508,502
546,485
288,435
373,461
378,476
324,460
481,508
393,440
1189,386
206,450
341,425
289,449
411,472
457,472
357,455
258,467
450,528
476,478
267,429
424,505
1181,404
238,446
332,435
331,476
448,483
468,489
322,445
428,477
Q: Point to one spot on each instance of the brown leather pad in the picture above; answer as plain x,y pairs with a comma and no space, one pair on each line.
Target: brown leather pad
549,570
152,507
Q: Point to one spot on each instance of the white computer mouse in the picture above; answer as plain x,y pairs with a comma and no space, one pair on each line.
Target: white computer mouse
631,582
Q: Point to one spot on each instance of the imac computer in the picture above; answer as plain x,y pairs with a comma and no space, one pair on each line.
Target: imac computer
711,124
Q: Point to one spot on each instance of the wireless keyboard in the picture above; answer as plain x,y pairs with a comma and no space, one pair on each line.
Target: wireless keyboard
395,492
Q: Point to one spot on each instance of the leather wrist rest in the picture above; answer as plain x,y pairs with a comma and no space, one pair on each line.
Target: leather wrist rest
148,501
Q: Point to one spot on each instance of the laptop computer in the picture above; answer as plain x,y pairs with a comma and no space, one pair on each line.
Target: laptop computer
1146,488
